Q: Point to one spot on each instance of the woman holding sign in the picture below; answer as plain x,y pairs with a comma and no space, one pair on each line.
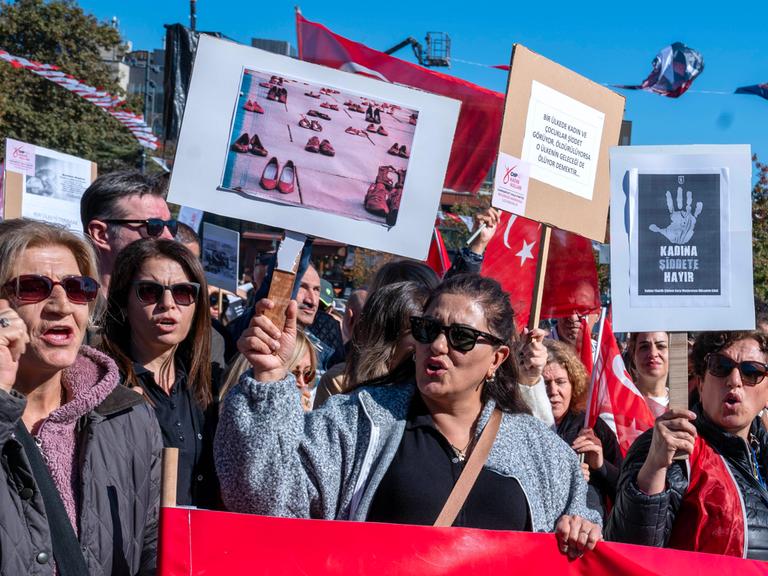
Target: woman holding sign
363,456
157,327
80,471
715,500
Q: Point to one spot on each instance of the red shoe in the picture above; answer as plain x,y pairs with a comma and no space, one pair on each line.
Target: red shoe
376,199
272,94
371,128
326,148
265,84
394,149
313,144
287,178
316,126
304,123
241,144
269,176
377,116
353,131
393,203
402,152
311,94
369,115
256,147
273,80
248,106
317,114
382,131
255,107
383,176
413,118
282,95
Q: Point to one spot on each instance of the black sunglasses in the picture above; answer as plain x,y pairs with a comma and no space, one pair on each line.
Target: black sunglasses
752,372
154,226
35,288
460,337
183,293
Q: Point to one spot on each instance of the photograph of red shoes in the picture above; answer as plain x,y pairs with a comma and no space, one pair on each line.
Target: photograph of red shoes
356,168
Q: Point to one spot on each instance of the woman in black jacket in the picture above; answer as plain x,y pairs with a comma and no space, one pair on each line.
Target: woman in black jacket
157,328
566,382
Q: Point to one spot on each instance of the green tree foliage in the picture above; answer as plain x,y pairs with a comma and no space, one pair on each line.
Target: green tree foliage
760,230
35,110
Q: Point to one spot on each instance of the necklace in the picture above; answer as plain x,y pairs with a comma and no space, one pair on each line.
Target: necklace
461,454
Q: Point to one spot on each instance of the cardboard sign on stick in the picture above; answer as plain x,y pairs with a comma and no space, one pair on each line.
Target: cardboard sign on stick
314,150
45,185
560,125
681,238
221,256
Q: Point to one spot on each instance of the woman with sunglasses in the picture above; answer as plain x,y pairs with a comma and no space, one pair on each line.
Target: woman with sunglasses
80,471
393,452
716,500
157,327
302,364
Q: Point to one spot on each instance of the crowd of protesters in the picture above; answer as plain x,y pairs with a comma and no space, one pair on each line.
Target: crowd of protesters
109,352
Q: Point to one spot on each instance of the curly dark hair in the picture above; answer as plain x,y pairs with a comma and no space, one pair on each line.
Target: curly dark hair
500,316
708,342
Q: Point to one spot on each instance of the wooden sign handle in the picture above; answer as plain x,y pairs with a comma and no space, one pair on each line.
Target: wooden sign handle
541,271
678,375
169,478
280,291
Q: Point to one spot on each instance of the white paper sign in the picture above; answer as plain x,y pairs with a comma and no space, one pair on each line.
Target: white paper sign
221,252
19,157
562,140
192,217
510,187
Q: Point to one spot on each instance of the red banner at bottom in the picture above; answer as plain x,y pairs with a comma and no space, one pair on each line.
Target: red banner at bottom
197,542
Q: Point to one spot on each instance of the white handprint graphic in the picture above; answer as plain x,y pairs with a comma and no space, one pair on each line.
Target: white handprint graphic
682,222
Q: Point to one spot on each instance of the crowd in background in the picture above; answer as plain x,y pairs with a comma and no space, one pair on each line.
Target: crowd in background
113,346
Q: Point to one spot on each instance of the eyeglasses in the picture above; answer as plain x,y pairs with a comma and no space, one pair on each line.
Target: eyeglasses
35,288
752,372
308,375
183,293
154,225
460,337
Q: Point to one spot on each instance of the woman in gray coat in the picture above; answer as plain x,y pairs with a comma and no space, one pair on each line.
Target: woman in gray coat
79,480
392,452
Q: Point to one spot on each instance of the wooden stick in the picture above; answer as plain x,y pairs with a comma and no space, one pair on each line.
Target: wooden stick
280,291
541,270
169,478
220,303
678,375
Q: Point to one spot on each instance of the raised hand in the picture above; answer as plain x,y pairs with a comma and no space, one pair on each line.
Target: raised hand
490,217
13,342
673,433
267,348
533,356
682,222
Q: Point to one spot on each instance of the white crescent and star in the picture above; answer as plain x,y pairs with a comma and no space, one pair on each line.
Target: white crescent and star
526,251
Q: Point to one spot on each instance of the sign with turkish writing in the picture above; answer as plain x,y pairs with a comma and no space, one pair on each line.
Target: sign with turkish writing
510,187
680,229
561,124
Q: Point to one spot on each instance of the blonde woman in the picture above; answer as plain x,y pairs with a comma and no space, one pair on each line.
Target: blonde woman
302,364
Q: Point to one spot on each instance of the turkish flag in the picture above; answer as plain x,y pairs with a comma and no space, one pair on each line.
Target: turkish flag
570,284
438,258
612,391
511,258
476,141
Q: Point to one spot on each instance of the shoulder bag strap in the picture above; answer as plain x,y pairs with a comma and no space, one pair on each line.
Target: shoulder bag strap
470,473
66,548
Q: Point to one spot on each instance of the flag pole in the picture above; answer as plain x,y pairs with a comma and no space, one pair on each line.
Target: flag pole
541,270
591,389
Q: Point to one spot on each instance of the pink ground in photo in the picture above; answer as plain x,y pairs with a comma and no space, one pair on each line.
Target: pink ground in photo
338,183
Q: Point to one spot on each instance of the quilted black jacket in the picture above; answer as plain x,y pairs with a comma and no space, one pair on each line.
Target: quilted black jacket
641,519
119,461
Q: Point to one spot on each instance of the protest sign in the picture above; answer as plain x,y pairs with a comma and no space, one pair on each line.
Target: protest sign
221,255
560,125
45,185
191,217
310,149
681,231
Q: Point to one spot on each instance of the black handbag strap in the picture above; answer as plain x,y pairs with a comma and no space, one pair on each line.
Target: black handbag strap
66,548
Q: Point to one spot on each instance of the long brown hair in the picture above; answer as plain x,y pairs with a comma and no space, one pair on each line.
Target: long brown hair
195,350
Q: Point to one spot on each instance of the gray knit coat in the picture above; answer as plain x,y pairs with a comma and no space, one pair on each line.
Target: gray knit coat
274,459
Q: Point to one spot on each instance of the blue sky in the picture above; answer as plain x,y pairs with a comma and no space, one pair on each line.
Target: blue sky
607,42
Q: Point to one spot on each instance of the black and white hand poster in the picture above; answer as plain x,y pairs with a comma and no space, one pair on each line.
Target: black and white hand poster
680,237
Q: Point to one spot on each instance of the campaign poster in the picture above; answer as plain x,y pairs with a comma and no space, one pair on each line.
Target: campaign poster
221,256
681,238
682,234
